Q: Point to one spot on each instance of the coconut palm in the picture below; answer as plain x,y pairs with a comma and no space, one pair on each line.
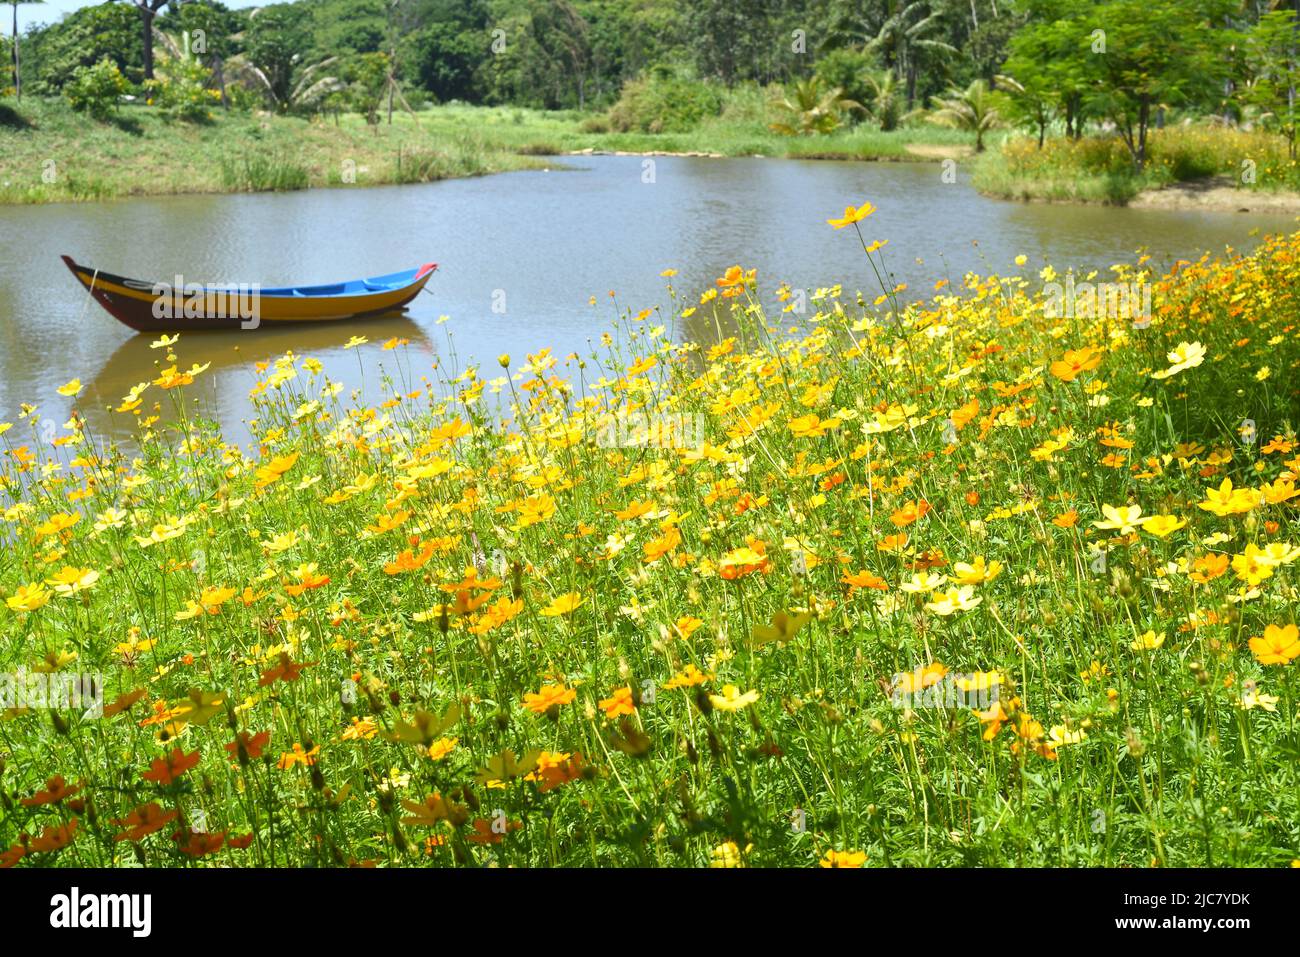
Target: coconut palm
885,107
904,34
973,109
310,84
813,109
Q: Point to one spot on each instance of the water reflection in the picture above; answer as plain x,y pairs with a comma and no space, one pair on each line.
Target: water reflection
221,391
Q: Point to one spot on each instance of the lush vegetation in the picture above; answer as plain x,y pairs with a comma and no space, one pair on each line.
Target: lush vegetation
807,78
673,602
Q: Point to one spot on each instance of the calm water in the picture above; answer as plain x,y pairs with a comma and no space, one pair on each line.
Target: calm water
542,243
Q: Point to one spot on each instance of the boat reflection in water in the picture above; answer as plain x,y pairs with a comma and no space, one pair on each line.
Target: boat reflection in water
221,392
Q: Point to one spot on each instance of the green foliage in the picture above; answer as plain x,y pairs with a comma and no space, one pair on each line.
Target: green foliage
447,59
180,87
664,101
84,38
853,71
367,78
1274,67
96,90
276,40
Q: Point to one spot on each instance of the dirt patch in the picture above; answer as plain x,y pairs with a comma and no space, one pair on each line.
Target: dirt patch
939,152
1216,193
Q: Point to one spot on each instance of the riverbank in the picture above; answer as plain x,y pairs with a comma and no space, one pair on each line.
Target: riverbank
48,153
1206,168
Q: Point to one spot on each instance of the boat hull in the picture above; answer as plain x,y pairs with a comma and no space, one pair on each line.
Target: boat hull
160,307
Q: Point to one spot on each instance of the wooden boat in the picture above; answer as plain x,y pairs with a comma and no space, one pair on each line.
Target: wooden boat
181,306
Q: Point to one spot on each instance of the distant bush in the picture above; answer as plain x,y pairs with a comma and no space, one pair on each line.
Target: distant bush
664,102
180,89
95,90
850,70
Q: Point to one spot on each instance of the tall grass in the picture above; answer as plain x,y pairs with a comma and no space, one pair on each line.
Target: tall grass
261,173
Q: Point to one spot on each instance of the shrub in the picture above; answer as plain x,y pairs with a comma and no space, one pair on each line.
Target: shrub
180,90
664,102
95,90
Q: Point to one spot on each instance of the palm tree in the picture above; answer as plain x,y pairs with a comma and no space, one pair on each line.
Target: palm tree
973,109
18,80
307,90
812,109
904,36
885,108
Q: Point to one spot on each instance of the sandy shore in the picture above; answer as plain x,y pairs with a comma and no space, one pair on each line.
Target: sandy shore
1216,193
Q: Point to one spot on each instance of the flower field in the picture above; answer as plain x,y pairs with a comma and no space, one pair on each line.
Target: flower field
937,579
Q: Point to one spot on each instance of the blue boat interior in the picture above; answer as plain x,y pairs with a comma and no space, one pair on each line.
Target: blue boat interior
355,287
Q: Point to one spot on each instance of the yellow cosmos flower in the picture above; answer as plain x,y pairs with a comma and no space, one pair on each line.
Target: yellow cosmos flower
1124,519
565,604
1149,641
852,215
732,699
844,859
1277,646
28,598
1162,526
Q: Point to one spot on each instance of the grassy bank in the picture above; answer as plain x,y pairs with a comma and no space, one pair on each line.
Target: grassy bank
141,153
1100,169
48,153
965,584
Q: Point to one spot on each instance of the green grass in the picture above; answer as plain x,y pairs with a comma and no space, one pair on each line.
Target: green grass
141,153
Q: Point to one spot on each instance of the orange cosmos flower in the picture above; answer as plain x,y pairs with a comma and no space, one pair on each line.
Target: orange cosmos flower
167,769
308,576
286,670
909,513
863,579
619,703
549,696
56,789
1208,567
893,543
54,837
1074,363
1066,519
743,561
143,821
852,215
